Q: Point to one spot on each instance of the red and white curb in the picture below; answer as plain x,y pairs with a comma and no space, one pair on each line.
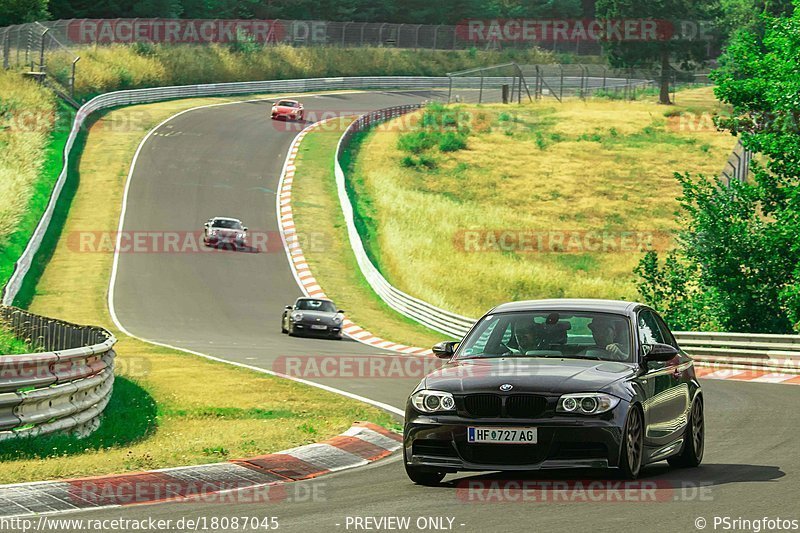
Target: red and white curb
302,273
257,480
752,374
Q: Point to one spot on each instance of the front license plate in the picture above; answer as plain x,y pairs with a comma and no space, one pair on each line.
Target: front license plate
501,435
318,326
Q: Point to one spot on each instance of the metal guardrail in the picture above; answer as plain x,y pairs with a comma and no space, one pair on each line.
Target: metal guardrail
737,167
64,387
778,352
426,314
140,96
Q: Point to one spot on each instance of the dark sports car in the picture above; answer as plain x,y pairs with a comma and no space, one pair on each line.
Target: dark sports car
312,316
555,384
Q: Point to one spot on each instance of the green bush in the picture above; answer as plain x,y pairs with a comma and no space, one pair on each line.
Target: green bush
451,141
416,141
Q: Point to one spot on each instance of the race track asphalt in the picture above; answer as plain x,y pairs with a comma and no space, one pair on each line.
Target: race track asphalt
226,161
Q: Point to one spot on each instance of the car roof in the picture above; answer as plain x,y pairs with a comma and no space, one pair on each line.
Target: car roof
226,218
569,304
288,100
318,299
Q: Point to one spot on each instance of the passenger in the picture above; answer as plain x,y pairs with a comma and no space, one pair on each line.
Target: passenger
610,337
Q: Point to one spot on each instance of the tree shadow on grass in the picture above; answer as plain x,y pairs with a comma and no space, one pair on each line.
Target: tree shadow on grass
130,416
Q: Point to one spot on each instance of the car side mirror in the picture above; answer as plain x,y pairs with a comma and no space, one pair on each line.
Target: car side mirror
288,307
661,352
207,224
340,311
244,228
444,349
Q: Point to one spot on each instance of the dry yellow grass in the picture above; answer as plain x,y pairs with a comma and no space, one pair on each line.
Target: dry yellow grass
598,165
26,119
105,68
235,414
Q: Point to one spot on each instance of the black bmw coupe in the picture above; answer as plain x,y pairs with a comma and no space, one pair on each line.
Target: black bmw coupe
557,384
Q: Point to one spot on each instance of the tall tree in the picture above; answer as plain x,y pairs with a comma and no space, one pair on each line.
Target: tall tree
21,11
682,35
738,264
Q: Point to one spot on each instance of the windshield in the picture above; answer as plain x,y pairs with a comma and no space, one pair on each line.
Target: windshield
316,305
569,334
287,103
227,224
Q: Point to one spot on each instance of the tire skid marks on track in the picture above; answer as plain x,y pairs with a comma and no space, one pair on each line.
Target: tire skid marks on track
297,261
260,479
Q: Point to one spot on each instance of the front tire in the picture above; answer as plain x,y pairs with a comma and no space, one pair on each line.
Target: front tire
283,326
694,441
632,444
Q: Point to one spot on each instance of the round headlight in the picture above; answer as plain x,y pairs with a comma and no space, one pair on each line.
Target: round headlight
448,403
570,404
297,316
588,404
432,402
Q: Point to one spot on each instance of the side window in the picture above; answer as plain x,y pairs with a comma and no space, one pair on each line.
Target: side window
647,327
665,331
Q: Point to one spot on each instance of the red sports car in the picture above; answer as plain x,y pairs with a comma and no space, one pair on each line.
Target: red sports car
288,109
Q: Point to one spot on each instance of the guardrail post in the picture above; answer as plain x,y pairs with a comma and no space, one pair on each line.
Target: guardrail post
41,50
6,49
72,77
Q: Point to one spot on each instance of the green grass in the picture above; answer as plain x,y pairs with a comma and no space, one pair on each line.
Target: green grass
316,210
133,417
33,131
156,418
539,169
10,345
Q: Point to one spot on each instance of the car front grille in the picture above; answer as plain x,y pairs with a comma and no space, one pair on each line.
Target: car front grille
505,454
483,405
497,406
580,450
434,448
525,406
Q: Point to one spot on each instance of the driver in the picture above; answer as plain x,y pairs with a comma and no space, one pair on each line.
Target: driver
527,337
608,337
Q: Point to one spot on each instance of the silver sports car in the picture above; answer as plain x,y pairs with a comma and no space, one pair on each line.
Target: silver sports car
222,231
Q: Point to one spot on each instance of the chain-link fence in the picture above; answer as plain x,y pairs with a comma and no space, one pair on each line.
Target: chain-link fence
26,45
295,32
518,83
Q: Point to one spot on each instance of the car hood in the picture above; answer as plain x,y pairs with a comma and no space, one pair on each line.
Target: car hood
312,316
533,375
